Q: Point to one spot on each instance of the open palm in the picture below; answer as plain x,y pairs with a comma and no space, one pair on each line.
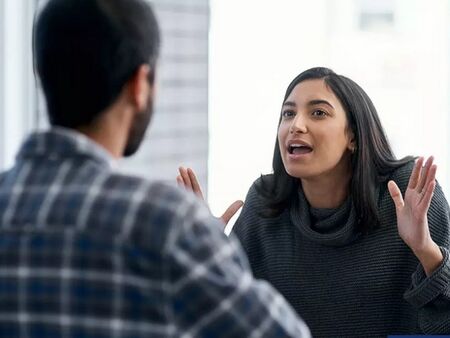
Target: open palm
412,221
188,180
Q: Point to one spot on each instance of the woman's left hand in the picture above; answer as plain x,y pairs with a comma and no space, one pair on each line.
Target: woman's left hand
412,220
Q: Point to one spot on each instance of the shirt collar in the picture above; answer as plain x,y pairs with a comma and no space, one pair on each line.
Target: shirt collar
61,142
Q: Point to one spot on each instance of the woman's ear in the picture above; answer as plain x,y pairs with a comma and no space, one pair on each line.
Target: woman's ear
351,142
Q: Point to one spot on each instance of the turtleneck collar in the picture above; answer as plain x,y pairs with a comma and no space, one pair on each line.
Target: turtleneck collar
331,227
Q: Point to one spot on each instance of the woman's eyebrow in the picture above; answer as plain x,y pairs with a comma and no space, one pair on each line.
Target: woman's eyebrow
289,104
316,102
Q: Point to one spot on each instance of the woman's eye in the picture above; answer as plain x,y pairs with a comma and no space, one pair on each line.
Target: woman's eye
319,113
288,113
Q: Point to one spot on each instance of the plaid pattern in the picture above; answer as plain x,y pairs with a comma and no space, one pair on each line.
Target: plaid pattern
87,252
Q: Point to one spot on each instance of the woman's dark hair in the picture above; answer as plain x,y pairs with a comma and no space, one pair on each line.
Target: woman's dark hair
86,50
372,162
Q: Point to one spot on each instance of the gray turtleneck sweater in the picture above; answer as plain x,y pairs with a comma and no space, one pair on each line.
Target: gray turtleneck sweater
342,283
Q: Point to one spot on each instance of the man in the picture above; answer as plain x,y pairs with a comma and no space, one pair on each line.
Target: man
87,252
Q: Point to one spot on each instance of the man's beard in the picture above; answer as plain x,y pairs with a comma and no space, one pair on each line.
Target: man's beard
138,129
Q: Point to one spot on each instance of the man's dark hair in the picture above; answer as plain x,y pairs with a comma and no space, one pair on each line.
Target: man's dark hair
86,50
372,163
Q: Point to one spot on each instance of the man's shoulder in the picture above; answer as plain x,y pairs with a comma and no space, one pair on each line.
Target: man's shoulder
151,210
90,198
145,192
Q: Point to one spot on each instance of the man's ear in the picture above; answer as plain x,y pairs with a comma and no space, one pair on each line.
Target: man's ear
140,87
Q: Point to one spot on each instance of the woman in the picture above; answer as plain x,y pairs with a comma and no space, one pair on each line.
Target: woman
330,228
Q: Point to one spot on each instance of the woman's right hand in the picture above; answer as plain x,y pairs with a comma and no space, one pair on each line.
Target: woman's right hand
188,180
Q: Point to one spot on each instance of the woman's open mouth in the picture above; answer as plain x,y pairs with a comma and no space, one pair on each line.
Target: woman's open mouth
297,150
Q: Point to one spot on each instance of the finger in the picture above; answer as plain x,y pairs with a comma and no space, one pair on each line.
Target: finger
415,175
396,195
195,184
185,177
427,196
180,181
231,211
180,169
431,178
424,174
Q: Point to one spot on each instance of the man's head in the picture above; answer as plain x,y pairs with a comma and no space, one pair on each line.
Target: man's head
87,52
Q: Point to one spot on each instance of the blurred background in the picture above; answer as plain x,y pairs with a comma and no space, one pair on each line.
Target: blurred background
225,65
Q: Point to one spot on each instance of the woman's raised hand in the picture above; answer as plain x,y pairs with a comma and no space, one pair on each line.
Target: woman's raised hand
412,220
188,180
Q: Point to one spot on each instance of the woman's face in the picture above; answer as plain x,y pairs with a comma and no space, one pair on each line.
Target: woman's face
313,136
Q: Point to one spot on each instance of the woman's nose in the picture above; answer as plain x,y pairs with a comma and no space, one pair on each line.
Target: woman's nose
298,126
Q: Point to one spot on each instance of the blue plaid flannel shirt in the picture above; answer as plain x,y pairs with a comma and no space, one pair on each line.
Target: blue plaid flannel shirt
87,252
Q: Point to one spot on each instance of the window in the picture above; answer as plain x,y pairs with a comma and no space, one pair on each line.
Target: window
17,87
376,15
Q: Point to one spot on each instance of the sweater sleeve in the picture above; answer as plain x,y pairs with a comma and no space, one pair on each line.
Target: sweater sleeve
431,295
239,228
245,226
250,228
